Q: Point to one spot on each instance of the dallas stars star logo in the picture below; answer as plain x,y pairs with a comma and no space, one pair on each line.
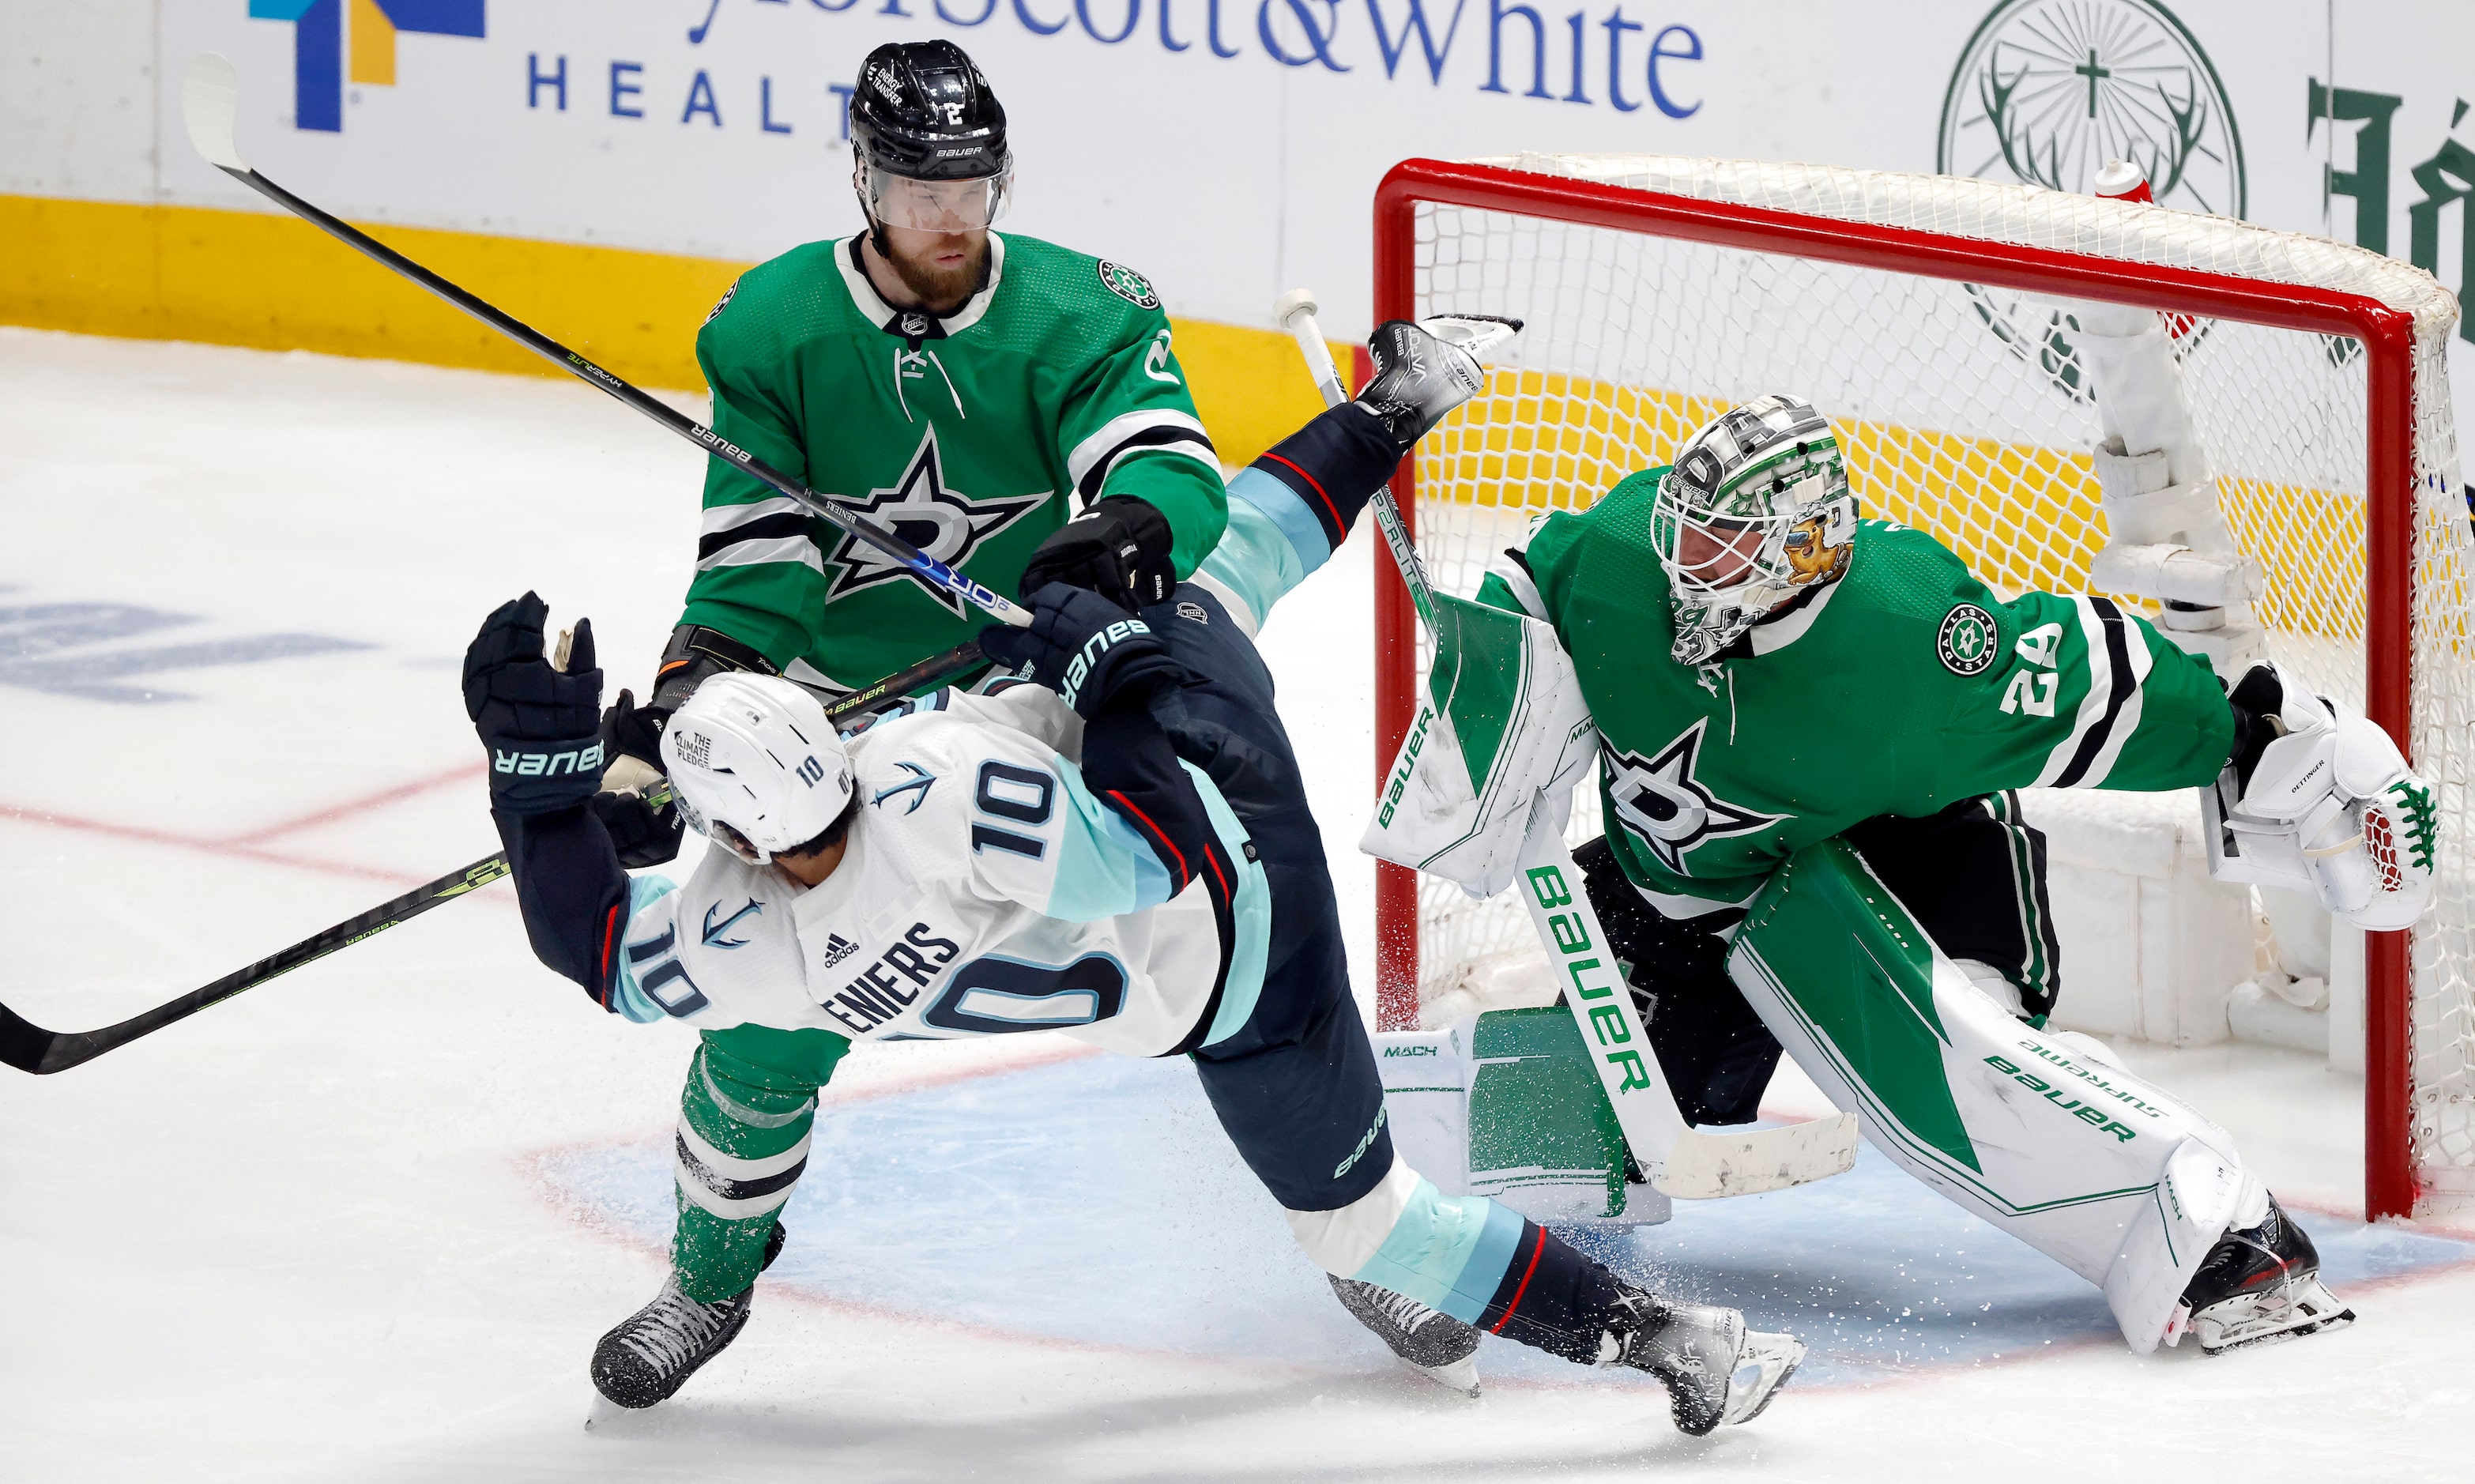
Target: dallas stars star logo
1666,807
921,508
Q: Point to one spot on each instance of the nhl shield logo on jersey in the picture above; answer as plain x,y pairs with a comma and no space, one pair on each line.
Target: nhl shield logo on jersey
1968,640
1661,804
1128,285
924,510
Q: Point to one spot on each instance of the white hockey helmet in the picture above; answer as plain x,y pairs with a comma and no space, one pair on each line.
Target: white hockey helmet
756,766
1765,489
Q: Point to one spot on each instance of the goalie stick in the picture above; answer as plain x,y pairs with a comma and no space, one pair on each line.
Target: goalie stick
210,100
1678,1159
30,1048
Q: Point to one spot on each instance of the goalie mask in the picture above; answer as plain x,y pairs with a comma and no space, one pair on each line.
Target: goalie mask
1755,509
757,767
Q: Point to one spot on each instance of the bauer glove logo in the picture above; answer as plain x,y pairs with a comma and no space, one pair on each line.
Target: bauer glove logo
548,764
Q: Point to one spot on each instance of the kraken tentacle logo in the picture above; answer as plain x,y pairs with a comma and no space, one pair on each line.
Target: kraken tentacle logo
2046,92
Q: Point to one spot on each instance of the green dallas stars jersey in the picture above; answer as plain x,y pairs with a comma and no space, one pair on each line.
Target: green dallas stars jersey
1903,688
973,436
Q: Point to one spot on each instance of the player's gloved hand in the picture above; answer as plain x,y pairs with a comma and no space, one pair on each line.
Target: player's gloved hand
643,833
1084,648
635,806
1118,549
540,724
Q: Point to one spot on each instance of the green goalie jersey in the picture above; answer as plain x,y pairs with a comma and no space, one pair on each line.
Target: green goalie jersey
1903,688
973,436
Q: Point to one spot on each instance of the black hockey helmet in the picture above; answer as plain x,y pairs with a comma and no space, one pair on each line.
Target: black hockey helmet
928,141
923,110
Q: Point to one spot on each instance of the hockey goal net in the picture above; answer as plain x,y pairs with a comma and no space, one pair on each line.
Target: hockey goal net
1921,313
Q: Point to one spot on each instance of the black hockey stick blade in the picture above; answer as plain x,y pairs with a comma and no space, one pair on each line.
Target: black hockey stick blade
30,1048
211,100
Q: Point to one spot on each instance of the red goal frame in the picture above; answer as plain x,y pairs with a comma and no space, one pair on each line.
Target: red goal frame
2388,338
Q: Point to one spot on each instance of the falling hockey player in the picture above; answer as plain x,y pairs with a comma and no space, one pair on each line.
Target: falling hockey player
1809,727
1122,852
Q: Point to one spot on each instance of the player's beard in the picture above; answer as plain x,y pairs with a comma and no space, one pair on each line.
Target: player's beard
942,289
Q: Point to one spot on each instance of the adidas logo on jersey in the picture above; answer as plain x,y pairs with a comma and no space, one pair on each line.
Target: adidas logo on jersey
837,949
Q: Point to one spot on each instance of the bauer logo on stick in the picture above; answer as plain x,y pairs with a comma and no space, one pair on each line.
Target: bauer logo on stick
1966,641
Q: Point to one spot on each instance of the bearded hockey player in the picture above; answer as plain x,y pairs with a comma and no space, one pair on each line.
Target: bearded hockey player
1810,726
971,390
1122,852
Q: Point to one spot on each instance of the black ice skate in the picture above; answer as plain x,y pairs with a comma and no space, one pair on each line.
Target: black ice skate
2257,1284
1423,371
1715,1370
1429,1341
651,1355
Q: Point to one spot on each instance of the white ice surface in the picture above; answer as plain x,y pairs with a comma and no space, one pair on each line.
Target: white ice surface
332,1230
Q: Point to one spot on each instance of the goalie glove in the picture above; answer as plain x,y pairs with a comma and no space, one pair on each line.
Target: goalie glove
2317,799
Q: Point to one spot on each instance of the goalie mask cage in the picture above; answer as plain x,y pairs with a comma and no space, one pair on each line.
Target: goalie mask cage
1921,314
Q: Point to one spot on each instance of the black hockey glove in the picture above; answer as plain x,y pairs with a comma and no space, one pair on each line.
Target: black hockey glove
642,832
1084,648
1118,549
541,725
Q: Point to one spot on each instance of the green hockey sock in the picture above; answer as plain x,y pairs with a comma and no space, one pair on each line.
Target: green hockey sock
745,1117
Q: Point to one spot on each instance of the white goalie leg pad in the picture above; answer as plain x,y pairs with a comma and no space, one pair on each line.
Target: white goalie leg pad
2203,1192
2332,810
2096,1167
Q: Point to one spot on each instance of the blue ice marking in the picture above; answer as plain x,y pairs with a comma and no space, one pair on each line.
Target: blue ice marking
982,1203
33,639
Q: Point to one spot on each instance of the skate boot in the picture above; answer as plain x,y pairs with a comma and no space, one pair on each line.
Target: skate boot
1429,1341
651,1355
1715,1370
1422,374
2256,1284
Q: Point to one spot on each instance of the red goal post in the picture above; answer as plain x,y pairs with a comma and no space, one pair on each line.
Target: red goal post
1414,194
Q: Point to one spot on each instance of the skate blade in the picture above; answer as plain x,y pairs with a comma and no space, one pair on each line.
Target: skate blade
1484,337
1461,1375
1772,1358
2308,1308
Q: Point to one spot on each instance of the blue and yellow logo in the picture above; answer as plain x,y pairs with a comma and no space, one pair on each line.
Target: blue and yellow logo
318,43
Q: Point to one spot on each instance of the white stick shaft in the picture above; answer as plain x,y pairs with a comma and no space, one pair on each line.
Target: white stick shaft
1318,354
1593,988
1296,311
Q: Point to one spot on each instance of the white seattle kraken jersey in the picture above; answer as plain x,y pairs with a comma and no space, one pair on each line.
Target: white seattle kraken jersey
983,891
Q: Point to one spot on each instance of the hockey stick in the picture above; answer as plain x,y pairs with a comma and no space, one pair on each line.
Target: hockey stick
210,100
30,1048
1678,1159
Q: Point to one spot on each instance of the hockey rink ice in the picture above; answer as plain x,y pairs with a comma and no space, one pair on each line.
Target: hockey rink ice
367,1221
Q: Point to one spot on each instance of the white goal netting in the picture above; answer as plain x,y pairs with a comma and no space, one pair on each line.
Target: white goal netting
1965,411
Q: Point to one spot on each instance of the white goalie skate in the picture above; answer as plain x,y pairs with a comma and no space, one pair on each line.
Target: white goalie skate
2258,1283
